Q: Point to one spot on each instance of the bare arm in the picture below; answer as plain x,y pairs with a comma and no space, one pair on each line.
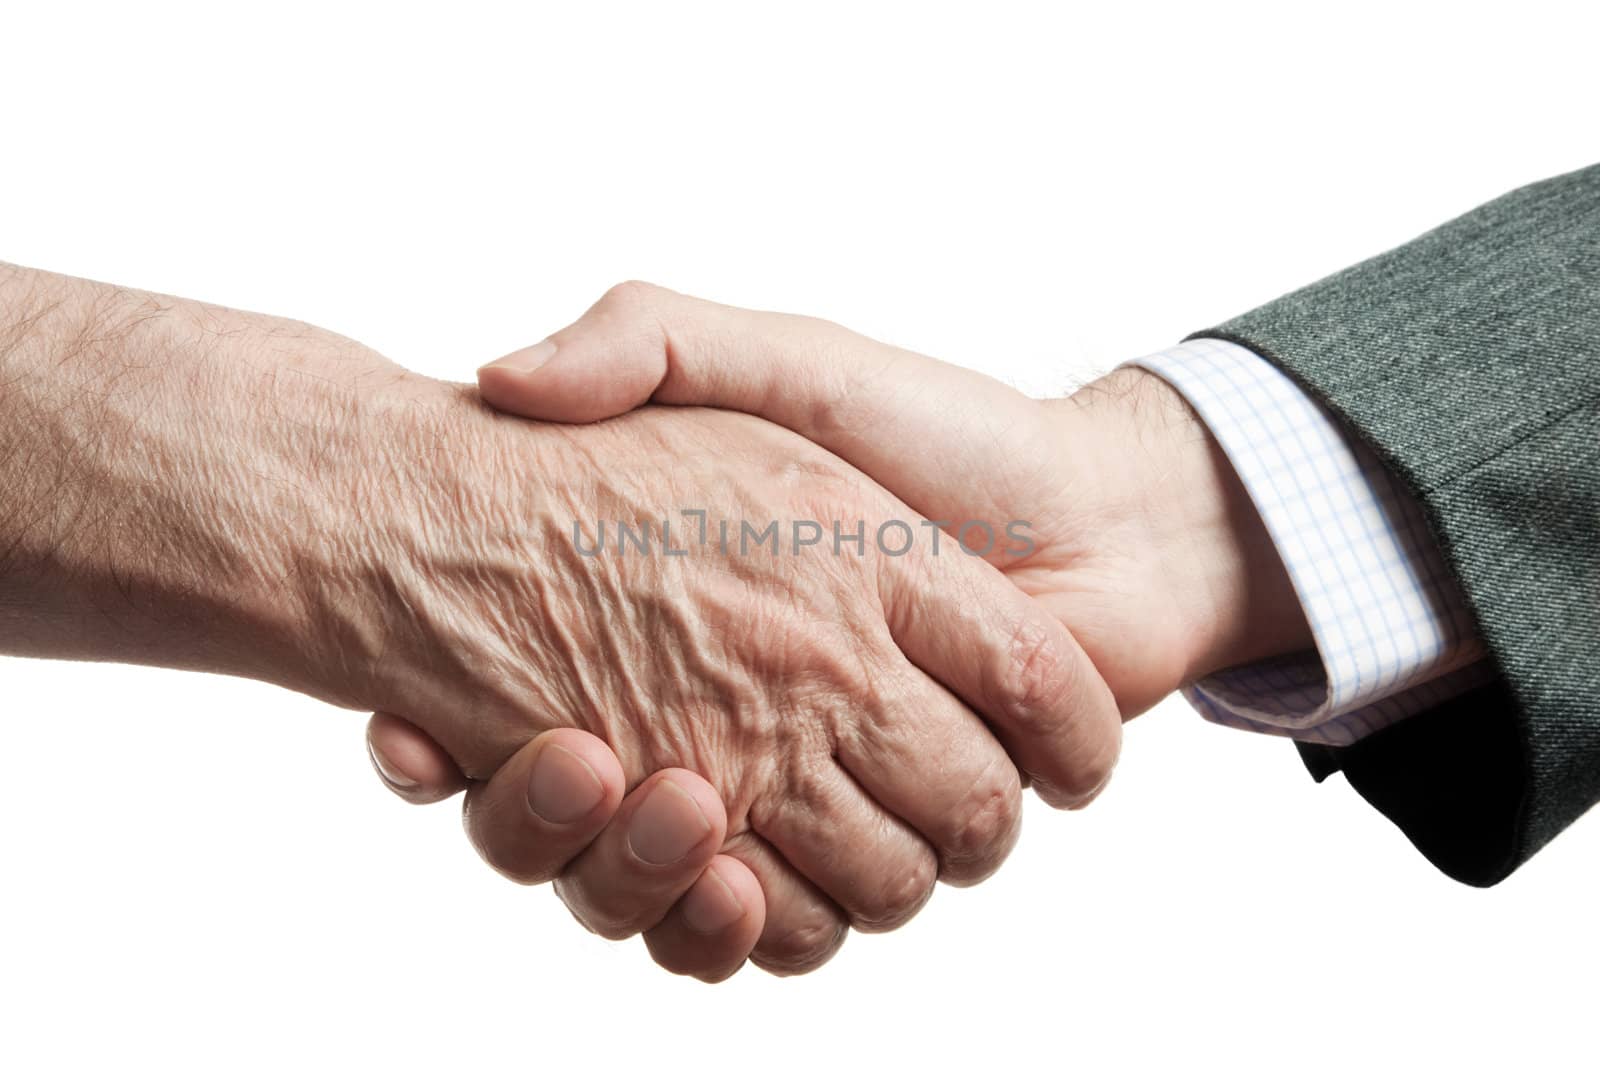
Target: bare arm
200,488
175,485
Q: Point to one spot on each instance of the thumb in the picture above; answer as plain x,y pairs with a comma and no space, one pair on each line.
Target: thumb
916,425
608,362
641,343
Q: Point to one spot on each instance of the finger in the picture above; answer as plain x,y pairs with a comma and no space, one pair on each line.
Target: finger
544,805
608,362
654,849
930,760
858,398
866,860
410,762
804,929
993,646
713,927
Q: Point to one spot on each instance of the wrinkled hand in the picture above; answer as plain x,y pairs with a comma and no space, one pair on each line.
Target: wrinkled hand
1143,541
197,487
827,698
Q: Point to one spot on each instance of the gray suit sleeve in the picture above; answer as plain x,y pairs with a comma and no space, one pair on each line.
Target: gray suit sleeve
1469,360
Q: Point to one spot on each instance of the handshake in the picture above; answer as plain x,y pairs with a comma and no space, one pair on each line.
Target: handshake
884,594
739,627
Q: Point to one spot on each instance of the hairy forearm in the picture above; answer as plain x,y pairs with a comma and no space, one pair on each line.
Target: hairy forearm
170,475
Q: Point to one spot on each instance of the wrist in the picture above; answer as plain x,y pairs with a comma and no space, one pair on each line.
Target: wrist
1229,594
362,460
436,601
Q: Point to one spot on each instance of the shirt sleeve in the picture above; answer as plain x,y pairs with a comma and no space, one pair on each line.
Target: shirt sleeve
1392,631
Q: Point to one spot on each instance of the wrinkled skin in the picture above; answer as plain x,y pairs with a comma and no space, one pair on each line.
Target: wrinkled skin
1145,544
755,671
196,487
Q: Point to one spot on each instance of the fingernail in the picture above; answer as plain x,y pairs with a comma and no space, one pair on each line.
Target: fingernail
527,360
667,825
391,774
562,788
711,905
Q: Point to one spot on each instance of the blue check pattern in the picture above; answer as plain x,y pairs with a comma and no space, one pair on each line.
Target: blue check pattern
1393,634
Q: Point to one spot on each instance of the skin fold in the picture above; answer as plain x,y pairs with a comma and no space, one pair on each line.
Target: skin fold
807,739
1145,544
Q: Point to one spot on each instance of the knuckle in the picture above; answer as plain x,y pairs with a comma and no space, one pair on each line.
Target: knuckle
1036,679
805,791
1095,759
833,409
900,896
802,947
1044,692
631,299
985,826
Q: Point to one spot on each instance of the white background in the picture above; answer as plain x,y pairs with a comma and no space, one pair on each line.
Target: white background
205,870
